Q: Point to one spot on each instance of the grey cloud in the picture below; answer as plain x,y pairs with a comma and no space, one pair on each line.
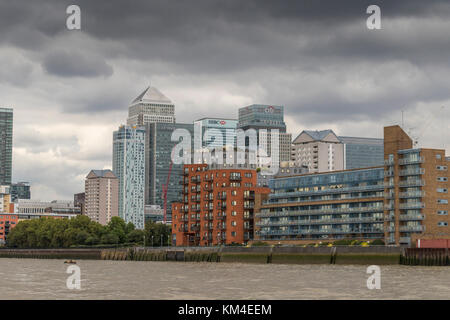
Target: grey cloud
76,64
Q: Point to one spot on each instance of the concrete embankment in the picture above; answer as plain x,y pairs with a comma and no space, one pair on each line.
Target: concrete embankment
281,255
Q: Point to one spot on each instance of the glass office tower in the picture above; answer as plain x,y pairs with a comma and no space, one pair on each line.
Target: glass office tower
129,167
6,133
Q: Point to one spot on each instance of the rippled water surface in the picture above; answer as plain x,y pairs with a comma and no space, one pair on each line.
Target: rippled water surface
46,279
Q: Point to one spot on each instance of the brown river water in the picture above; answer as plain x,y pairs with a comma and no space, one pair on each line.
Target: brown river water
46,279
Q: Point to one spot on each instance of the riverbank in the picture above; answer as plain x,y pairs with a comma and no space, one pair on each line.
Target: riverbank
379,255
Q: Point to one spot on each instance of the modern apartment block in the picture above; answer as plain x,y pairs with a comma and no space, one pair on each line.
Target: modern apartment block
151,106
323,207
159,166
129,168
6,140
5,199
217,132
324,151
263,118
362,152
416,204
320,151
217,206
20,190
79,200
101,196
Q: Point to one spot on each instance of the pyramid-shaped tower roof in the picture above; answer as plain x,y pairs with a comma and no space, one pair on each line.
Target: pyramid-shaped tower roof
152,94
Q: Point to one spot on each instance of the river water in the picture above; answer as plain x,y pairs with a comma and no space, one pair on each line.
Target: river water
46,279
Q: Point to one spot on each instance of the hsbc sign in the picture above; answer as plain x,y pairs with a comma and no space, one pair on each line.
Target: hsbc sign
218,122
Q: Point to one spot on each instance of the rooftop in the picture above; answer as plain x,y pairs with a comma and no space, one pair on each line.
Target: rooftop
151,94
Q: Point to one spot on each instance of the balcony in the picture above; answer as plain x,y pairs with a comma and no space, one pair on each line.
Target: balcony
412,183
411,172
389,173
318,221
389,195
320,211
208,179
249,205
195,228
250,196
221,217
388,162
222,196
412,205
235,178
411,161
196,180
411,217
389,217
412,228
411,194
196,209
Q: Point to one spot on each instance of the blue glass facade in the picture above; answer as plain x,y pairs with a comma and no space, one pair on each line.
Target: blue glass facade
326,206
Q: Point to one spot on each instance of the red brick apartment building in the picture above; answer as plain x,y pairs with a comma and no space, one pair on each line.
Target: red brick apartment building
416,190
217,206
7,222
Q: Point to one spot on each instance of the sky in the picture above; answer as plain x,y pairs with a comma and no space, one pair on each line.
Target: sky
70,89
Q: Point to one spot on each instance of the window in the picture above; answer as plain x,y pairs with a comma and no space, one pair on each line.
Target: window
441,168
442,224
233,223
442,179
442,212
438,156
233,213
233,233
442,201
233,203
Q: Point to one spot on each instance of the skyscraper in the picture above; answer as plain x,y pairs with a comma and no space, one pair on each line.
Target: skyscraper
129,168
362,152
214,126
101,196
264,118
6,133
151,106
158,151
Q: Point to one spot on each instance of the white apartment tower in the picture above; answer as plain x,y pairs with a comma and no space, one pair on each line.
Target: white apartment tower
320,151
101,196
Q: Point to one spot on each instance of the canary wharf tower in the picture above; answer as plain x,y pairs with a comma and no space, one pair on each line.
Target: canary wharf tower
151,106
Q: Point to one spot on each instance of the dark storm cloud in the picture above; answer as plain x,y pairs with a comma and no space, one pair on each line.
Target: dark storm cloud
317,58
76,64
